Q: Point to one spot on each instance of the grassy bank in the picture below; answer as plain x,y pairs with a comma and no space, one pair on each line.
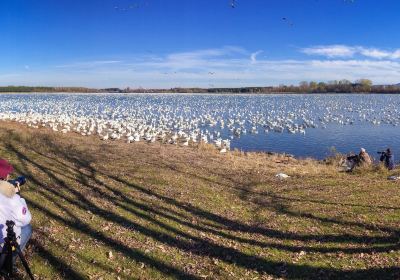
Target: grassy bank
110,210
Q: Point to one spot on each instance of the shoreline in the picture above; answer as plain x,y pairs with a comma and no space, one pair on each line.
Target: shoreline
207,146
205,93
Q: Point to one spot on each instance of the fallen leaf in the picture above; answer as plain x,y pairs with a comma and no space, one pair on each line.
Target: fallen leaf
110,255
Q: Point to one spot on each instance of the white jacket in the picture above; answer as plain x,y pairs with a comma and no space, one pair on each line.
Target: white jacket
15,209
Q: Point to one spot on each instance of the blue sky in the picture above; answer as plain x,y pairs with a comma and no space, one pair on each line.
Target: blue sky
207,43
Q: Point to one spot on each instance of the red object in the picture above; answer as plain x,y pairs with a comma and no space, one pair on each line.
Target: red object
5,168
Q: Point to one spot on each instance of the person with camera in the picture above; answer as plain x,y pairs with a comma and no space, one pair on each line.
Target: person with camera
13,207
365,159
387,158
362,159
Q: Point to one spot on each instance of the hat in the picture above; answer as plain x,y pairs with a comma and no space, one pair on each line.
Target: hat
363,150
5,168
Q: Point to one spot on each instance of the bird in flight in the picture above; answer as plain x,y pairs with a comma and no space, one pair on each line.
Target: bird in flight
290,23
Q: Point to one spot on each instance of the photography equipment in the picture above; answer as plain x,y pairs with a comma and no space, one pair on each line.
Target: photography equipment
10,249
381,153
21,180
353,158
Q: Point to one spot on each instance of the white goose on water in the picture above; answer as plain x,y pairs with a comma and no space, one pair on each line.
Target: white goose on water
161,117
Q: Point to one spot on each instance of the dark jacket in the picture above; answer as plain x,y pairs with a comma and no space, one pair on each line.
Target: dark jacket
388,159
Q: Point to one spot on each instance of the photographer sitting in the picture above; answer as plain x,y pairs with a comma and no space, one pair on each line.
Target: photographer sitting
362,159
13,207
388,158
365,159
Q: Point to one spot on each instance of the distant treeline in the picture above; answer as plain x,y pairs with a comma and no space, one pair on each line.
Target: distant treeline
46,89
342,86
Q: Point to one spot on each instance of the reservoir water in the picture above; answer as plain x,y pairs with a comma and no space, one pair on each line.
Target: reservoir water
302,125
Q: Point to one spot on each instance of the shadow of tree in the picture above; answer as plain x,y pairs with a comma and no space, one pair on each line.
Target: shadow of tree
192,230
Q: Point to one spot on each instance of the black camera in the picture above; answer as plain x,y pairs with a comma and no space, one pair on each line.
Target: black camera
20,180
353,158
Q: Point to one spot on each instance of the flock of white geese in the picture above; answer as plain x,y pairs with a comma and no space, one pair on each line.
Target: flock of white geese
187,119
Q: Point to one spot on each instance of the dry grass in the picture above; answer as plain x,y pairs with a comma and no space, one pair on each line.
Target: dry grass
167,212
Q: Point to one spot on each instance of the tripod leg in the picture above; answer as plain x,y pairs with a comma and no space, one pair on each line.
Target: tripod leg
24,262
6,265
3,258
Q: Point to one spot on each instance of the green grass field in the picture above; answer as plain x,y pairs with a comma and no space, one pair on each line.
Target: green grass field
108,210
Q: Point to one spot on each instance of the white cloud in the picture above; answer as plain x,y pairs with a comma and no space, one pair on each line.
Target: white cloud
253,56
230,67
375,53
199,60
89,64
396,54
343,51
331,51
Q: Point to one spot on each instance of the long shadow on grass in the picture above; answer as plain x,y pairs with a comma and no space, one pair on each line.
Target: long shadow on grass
80,225
122,201
275,203
260,264
246,192
56,263
191,243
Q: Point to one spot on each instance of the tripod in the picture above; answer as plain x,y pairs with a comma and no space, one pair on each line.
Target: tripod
6,256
